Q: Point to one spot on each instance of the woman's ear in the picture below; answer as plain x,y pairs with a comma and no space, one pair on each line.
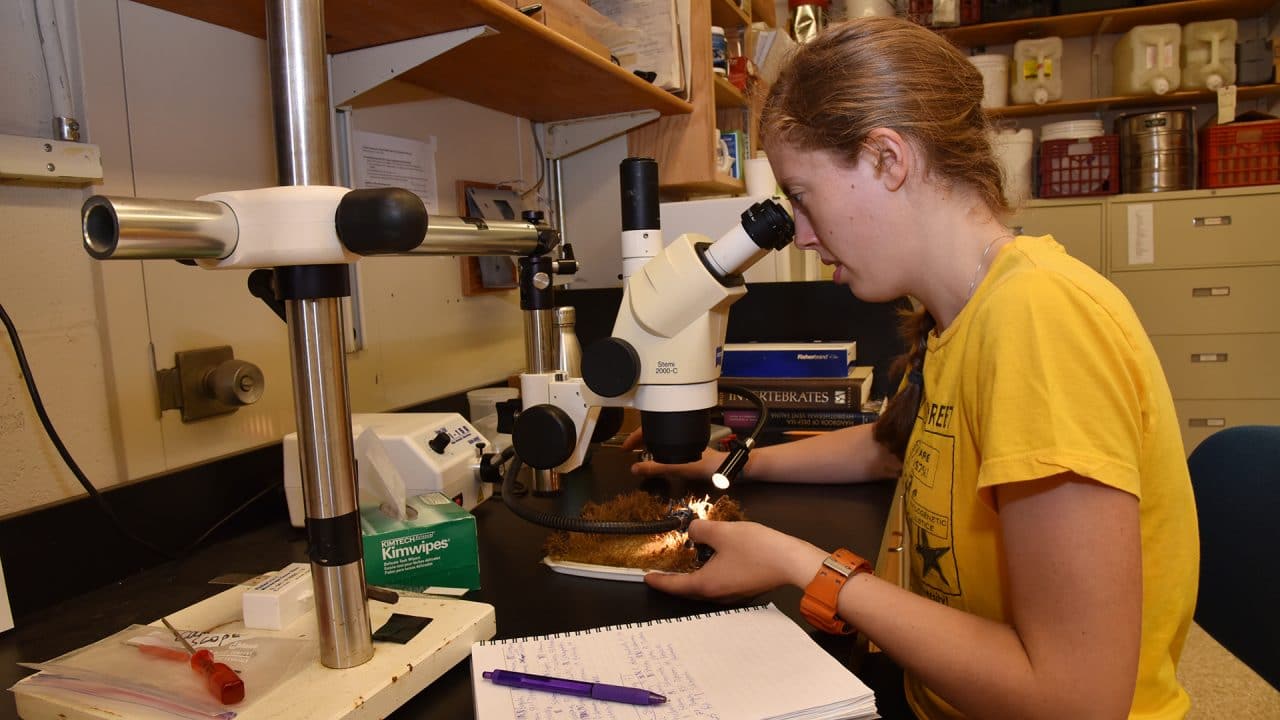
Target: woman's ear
891,156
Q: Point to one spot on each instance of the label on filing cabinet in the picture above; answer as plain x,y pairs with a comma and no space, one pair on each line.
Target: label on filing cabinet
1142,242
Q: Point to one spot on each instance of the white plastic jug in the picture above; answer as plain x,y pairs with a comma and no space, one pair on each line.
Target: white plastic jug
1146,60
1209,54
1037,71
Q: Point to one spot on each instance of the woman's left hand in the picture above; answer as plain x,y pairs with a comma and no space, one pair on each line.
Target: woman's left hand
750,559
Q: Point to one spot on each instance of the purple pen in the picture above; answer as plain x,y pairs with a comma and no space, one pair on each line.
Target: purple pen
595,691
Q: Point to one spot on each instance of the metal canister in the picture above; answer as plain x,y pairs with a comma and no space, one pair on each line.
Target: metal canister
568,353
1157,151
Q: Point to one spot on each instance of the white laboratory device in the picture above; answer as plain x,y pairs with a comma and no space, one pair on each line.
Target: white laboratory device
432,452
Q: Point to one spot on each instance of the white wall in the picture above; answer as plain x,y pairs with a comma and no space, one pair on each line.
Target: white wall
180,108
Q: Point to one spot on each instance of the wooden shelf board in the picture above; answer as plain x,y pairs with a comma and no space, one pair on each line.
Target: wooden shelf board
721,185
764,11
1104,21
526,69
728,15
1185,97
727,94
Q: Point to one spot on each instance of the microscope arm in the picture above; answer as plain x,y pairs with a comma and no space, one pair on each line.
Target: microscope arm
295,225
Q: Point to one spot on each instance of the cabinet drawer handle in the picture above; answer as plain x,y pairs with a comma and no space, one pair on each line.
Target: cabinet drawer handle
1211,221
1207,422
1208,357
1220,291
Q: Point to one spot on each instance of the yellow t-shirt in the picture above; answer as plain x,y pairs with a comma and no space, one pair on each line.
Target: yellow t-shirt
1045,370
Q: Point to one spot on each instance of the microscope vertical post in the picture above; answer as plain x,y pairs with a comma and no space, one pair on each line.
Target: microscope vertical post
300,105
537,299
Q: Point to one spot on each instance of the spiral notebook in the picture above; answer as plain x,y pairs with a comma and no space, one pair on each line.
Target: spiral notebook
736,664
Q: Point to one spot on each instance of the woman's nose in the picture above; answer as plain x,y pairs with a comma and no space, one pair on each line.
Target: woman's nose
805,237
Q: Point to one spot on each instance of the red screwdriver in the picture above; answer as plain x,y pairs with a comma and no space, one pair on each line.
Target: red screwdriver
223,682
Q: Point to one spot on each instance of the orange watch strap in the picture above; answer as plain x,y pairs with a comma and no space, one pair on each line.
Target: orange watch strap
819,605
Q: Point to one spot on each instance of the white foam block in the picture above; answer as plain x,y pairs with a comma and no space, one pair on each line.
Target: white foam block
276,602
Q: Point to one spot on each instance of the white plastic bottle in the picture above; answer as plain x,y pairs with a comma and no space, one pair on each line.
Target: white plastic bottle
1037,71
1209,54
1146,60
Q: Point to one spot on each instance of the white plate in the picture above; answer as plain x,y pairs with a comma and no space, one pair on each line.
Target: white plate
601,572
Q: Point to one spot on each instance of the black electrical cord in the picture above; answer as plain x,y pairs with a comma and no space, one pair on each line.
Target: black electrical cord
89,488
754,399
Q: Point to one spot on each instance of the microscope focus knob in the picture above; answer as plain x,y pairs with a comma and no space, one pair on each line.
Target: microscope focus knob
439,442
544,436
610,367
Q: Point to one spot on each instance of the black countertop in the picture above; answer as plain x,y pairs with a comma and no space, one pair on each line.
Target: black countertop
530,599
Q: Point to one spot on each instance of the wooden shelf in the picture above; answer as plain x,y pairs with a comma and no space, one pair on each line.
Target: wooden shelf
1185,97
1104,21
526,69
722,185
764,11
728,15
727,94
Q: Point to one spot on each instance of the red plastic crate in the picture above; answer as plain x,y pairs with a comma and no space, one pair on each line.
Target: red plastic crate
1246,153
1074,168
920,12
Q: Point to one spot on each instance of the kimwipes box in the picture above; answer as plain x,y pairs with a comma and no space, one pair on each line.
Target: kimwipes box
435,549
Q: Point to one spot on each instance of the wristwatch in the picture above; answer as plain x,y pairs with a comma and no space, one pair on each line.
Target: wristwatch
819,604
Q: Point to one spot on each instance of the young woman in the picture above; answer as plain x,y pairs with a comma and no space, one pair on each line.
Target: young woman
1052,527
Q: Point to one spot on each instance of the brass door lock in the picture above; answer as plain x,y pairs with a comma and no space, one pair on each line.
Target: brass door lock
208,382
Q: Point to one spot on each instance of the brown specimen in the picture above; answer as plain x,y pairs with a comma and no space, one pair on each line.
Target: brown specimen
669,551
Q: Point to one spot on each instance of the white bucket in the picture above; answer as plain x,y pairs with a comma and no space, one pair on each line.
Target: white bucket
1013,152
1072,130
760,180
995,79
483,402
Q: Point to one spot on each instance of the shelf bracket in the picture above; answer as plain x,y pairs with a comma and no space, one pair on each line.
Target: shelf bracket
358,71
1095,57
566,137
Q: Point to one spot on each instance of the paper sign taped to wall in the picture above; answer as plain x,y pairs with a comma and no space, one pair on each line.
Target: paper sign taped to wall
385,161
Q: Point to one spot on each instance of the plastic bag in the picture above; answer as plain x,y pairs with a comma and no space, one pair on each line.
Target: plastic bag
145,665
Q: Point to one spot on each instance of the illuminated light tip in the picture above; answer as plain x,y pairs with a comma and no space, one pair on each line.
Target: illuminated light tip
720,480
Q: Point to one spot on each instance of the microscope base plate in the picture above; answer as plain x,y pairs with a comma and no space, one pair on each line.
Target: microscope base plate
372,690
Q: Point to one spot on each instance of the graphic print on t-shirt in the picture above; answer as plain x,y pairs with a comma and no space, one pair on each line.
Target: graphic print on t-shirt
930,481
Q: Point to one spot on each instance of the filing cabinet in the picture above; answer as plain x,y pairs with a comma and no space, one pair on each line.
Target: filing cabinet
1202,271
1077,224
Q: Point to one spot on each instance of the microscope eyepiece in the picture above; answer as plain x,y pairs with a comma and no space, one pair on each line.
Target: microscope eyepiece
768,225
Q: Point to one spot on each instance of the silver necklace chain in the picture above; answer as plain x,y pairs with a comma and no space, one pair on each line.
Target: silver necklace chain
977,273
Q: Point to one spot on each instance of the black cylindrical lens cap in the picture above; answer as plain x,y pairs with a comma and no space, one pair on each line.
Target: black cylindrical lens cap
640,194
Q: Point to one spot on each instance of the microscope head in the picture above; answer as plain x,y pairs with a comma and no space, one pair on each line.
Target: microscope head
665,352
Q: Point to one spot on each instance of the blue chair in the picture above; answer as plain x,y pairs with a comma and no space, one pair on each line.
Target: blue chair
1235,474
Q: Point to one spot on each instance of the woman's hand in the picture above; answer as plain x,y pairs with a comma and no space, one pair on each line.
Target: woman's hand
699,470
750,559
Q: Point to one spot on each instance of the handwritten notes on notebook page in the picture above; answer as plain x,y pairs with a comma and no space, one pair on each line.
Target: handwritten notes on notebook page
742,664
